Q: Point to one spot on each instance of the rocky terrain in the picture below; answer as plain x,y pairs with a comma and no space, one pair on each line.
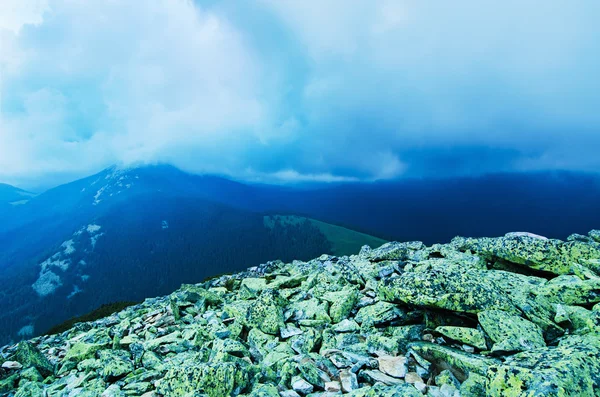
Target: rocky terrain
511,316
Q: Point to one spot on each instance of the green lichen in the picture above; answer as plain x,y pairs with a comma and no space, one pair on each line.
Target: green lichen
469,336
509,332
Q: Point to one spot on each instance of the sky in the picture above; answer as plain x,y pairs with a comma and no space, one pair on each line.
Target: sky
293,91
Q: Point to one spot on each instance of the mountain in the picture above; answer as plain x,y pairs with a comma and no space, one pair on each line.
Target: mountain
517,315
11,196
125,234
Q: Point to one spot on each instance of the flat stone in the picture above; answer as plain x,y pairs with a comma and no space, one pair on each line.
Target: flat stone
395,366
348,380
412,377
301,386
11,365
469,336
378,376
509,332
333,386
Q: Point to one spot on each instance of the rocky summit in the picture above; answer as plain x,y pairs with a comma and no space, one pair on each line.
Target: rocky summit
517,315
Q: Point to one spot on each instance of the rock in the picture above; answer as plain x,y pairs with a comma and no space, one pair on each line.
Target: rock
348,380
301,386
469,336
393,366
12,365
289,393
29,356
420,386
571,290
215,380
381,313
333,387
266,314
346,325
474,386
461,364
447,378
399,390
547,255
374,376
571,368
412,377
509,332
393,251
595,235
443,286
115,364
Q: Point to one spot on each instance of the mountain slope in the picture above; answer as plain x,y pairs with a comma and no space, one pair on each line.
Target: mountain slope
10,194
344,241
471,317
125,235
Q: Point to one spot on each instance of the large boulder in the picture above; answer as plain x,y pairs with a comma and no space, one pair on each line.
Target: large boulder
570,369
547,255
445,286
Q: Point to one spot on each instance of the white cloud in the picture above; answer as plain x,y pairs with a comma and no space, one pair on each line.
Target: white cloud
295,90
118,82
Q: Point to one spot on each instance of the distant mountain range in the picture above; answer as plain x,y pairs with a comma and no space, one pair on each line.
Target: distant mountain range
128,233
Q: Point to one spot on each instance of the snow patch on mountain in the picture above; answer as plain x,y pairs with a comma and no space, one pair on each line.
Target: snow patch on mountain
76,290
47,283
84,240
69,247
114,182
94,239
93,228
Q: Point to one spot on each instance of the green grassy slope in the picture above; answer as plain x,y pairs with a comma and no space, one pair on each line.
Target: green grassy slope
343,241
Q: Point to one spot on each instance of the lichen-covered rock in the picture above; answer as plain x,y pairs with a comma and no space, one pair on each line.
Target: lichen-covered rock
570,369
469,336
445,287
115,364
571,290
461,364
213,380
510,333
29,356
553,256
266,314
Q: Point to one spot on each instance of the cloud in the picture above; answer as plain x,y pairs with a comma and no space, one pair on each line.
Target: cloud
298,91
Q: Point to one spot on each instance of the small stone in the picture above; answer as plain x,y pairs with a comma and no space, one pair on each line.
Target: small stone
289,393
289,330
393,366
378,376
348,380
468,349
422,387
301,386
333,386
346,325
412,377
428,338
12,365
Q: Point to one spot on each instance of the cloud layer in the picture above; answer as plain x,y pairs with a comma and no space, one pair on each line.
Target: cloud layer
289,90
